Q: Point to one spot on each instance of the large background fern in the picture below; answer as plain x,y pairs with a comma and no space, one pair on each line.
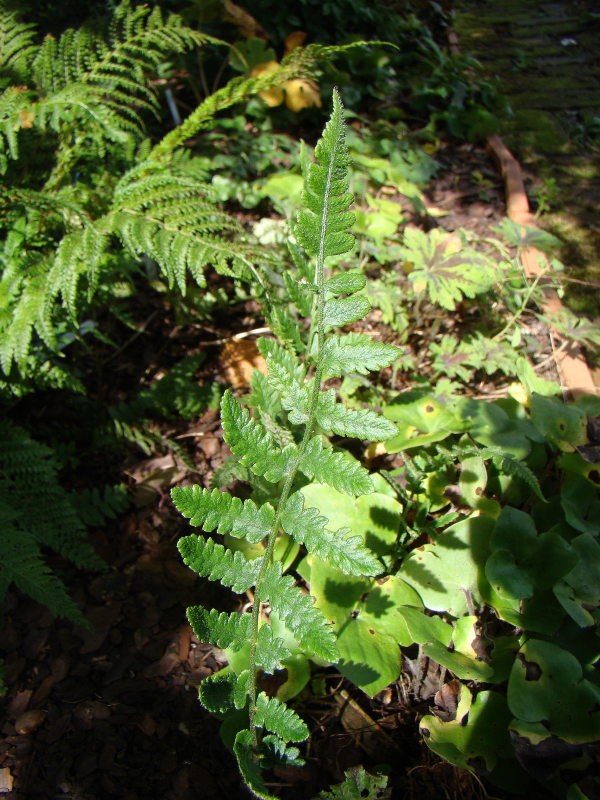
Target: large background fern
79,106
37,514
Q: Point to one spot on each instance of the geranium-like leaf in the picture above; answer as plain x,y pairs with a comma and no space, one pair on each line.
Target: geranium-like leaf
308,527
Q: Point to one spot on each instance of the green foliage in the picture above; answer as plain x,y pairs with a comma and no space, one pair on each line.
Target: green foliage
100,193
358,784
37,515
291,401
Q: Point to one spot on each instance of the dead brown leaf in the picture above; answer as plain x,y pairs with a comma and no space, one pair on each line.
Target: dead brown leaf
239,358
29,721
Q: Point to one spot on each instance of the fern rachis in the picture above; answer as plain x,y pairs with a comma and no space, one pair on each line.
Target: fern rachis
322,230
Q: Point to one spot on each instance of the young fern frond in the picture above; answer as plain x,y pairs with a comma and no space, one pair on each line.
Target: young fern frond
291,390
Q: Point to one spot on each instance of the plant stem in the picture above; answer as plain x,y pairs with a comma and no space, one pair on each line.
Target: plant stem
515,316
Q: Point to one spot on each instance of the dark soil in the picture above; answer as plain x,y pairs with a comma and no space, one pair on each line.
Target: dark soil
112,712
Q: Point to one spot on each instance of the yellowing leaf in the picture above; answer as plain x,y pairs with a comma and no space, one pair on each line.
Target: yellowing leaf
246,23
300,93
274,96
293,40
26,118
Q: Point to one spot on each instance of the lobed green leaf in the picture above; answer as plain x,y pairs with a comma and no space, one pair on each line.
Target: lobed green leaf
344,421
249,767
346,283
322,226
270,650
344,310
226,514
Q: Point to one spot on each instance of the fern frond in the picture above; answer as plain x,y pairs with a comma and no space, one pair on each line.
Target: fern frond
115,66
276,717
282,436
217,563
216,692
261,395
308,527
16,46
507,463
356,352
21,563
344,421
338,469
78,255
275,752
275,353
222,630
255,447
244,749
359,785
271,650
29,482
298,613
300,63
322,226
221,512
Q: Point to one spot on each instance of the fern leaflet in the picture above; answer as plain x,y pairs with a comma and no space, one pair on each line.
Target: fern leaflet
213,561
223,630
308,527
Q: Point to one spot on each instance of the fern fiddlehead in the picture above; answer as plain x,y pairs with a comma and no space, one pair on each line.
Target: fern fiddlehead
322,230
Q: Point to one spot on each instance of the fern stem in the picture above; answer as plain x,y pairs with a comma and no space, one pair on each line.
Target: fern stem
308,432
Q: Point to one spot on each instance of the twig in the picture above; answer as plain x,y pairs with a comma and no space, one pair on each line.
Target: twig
131,339
242,335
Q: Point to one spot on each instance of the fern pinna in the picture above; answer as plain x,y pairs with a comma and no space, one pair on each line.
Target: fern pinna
281,456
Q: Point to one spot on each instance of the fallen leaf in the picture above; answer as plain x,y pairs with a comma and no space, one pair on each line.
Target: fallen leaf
19,703
300,93
29,721
239,358
293,40
6,781
274,96
246,23
26,118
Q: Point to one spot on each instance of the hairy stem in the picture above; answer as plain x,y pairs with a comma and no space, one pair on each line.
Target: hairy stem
289,482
